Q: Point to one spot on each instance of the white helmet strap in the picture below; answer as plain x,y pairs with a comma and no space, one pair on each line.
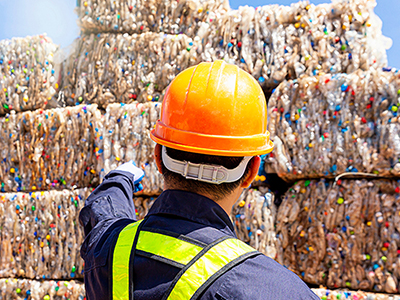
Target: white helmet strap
208,173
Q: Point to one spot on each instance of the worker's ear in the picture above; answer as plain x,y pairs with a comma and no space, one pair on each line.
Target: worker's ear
255,165
157,157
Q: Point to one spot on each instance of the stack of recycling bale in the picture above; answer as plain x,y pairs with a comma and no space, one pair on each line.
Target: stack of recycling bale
52,158
76,146
332,115
39,236
109,67
339,233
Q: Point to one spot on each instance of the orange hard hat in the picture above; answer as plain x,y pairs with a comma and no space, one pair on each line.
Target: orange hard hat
214,108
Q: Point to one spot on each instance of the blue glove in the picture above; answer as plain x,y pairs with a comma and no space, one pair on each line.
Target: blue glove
137,173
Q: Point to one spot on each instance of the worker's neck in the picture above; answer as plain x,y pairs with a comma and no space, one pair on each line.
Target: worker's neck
226,203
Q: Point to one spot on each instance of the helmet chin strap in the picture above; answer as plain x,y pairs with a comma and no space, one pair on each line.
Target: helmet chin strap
208,173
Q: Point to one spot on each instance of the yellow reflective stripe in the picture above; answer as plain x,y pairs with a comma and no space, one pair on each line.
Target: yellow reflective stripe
207,265
121,255
168,247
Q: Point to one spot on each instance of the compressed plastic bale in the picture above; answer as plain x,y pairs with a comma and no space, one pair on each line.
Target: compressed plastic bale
48,149
245,37
347,294
347,36
40,234
344,235
331,124
29,78
11,288
138,16
76,146
107,68
254,220
126,136
275,42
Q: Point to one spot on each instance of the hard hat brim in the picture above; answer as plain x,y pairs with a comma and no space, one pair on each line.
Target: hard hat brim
244,146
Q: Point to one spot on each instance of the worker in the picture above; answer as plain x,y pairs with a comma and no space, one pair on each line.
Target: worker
212,129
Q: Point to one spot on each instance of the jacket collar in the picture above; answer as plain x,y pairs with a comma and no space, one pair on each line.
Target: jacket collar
193,207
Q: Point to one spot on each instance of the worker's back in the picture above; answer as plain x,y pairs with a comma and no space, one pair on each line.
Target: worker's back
198,220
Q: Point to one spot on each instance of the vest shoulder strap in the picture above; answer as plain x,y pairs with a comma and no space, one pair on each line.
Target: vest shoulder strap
212,262
200,264
120,261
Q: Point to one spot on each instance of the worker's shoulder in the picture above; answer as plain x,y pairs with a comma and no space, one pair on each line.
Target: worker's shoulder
262,278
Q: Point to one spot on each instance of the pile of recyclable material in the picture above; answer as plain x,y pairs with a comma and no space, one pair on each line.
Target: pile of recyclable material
28,75
168,16
253,217
326,294
274,42
76,146
108,68
126,136
332,124
13,288
48,149
342,235
41,236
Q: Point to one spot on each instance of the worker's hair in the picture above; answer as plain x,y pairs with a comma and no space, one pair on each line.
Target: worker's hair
217,191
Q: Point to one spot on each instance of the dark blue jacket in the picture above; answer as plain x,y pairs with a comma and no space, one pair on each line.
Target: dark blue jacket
110,208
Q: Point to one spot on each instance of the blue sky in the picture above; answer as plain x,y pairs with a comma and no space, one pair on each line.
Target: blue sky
19,18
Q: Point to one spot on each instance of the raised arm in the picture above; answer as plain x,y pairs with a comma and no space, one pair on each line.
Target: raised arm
110,202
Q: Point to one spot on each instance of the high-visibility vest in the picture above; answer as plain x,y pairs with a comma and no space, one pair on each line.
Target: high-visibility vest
200,264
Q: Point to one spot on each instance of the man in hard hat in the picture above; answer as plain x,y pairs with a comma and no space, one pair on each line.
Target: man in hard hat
212,128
